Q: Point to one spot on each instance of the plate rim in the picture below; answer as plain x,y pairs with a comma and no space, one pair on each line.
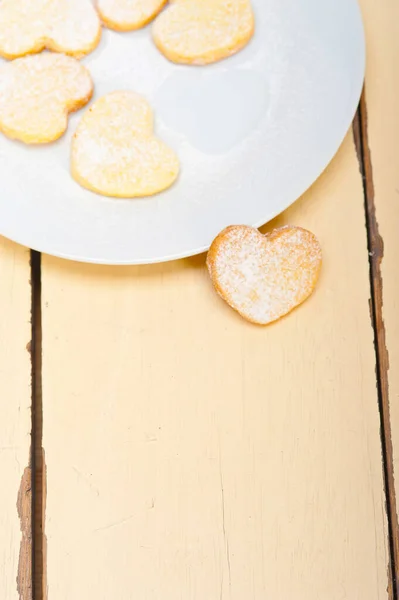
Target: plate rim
260,223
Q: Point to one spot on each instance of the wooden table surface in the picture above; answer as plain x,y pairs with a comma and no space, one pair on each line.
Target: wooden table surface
155,446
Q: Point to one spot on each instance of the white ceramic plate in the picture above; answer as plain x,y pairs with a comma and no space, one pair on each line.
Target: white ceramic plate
252,132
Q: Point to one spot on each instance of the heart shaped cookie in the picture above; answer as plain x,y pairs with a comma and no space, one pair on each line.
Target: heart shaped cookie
28,26
264,277
203,31
115,152
38,92
127,15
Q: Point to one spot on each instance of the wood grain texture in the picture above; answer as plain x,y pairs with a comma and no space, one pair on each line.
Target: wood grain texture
380,120
15,424
193,455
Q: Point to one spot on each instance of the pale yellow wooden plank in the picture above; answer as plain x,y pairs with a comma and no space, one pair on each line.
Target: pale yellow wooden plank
15,423
193,455
382,102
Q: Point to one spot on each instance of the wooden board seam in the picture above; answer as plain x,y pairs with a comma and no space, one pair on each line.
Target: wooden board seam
376,255
39,541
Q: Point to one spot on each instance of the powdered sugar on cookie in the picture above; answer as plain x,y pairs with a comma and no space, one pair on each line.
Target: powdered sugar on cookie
203,31
37,93
28,26
264,277
127,15
115,152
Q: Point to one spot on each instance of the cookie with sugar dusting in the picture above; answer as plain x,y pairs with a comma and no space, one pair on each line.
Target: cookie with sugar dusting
264,277
29,26
200,32
128,15
38,92
115,152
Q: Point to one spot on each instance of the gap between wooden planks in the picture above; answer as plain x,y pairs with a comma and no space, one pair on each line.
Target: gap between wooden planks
39,571
380,129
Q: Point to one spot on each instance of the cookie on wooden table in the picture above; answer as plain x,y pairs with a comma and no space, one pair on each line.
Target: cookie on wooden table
28,26
115,152
264,277
38,92
127,15
200,32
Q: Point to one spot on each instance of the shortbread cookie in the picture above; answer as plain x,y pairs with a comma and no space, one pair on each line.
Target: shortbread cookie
37,93
264,277
115,152
28,26
199,32
127,15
